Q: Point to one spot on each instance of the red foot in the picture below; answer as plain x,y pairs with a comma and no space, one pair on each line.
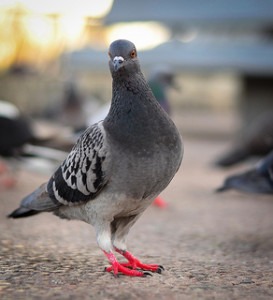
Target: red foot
8,182
3,168
134,263
160,202
117,267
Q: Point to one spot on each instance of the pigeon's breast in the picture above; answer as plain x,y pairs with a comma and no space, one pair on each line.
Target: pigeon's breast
146,168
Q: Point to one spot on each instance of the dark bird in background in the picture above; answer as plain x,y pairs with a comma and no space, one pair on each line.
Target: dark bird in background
257,140
15,132
258,180
117,167
18,140
160,79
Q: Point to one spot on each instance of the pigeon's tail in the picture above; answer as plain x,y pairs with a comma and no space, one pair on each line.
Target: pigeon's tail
233,157
22,212
35,203
222,188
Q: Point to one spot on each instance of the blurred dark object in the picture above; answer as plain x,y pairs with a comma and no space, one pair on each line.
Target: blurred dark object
160,79
258,180
20,69
257,97
19,143
15,130
256,140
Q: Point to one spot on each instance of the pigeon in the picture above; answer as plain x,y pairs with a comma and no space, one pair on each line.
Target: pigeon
15,132
257,140
117,167
258,180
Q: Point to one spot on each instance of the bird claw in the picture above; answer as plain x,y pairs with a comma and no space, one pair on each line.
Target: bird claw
159,271
147,274
133,267
126,269
161,267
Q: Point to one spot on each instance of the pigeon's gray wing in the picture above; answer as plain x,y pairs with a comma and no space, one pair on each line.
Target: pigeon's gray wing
85,171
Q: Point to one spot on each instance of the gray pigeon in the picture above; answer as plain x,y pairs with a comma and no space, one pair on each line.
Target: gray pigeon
117,167
258,180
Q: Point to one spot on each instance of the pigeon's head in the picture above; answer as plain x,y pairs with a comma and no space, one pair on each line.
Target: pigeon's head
123,56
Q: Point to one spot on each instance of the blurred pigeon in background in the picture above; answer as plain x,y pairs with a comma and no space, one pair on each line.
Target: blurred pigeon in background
256,140
17,140
15,132
160,79
258,180
118,166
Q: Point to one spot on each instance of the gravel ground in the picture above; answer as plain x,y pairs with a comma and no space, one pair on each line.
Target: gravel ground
213,246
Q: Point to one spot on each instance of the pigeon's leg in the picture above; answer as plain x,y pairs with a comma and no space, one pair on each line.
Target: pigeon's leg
105,243
120,229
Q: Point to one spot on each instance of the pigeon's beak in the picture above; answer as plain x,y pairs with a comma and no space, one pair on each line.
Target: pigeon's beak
118,62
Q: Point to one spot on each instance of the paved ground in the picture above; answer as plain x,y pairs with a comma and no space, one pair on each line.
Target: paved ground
212,246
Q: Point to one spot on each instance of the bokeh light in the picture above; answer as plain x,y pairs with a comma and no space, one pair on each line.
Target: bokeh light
145,35
90,8
37,31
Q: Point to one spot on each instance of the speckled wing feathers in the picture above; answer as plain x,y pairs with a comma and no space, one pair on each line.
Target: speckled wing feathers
82,175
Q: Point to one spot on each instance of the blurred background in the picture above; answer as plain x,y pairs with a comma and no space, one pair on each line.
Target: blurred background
216,58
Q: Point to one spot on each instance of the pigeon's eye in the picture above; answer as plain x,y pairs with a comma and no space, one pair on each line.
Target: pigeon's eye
109,54
133,54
